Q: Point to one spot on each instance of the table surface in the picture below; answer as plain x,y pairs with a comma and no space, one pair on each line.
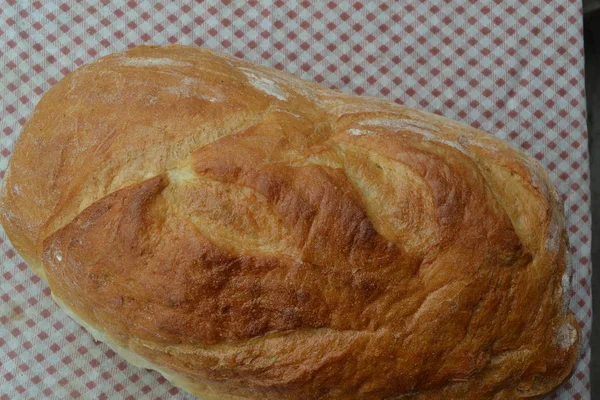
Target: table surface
514,69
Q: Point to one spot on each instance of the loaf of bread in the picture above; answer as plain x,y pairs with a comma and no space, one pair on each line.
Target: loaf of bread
252,235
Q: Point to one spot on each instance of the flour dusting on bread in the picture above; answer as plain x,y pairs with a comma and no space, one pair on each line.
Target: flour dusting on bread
152,62
264,84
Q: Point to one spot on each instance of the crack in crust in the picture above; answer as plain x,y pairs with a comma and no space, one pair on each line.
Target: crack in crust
261,237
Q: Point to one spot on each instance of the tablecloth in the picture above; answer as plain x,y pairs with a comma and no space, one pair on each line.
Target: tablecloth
513,68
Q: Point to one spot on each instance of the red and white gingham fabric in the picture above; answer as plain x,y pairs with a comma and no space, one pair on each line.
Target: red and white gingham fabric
513,68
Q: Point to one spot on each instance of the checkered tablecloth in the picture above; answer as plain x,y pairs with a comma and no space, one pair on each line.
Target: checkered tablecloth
513,68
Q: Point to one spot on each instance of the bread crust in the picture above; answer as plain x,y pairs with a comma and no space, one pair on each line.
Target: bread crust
255,236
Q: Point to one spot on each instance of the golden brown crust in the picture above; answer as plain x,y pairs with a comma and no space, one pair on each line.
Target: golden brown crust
255,236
